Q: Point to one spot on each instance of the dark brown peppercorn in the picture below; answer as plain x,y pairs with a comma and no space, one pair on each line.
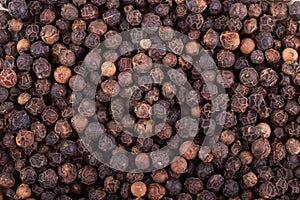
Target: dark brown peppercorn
264,40
268,77
39,49
225,58
42,68
47,16
89,12
261,148
112,17
267,190
249,77
7,180
67,173
48,179
279,117
156,191
69,12
67,58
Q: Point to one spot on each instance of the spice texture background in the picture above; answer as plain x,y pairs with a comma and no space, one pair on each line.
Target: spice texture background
60,92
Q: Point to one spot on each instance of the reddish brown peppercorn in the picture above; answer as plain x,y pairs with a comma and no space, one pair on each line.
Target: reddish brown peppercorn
230,40
24,138
62,74
179,165
247,46
8,78
138,189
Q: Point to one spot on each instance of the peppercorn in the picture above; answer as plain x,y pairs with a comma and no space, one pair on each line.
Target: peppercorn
196,6
250,179
138,189
62,74
225,58
247,46
8,78
261,148
290,55
24,138
156,191
49,34
250,26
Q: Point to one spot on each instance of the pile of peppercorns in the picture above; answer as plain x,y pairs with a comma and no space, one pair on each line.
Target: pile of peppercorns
254,43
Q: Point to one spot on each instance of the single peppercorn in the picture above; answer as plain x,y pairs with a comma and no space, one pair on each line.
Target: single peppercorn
49,34
138,189
261,148
24,138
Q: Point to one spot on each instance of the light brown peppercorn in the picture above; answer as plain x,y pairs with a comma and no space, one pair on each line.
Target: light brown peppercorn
23,45
138,189
264,129
49,34
145,44
247,46
79,24
179,165
98,27
250,179
196,6
189,150
15,25
293,146
24,138
192,48
23,191
227,137
272,56
211,39
108,69
62,74
230,40
290,55
246,157
23,98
